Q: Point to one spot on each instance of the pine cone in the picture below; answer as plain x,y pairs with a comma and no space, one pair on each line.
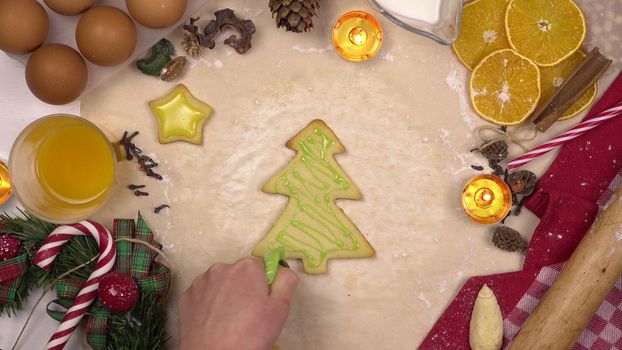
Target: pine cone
191,45
510,240
294,15
496,151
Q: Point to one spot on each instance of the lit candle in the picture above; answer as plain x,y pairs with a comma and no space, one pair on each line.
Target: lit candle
357,36
486,199
5,183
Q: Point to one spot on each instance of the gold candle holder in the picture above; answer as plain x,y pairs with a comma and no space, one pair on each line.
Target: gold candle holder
357,36
486,199
5,183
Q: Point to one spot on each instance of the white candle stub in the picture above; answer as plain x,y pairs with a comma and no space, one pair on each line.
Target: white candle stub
422,10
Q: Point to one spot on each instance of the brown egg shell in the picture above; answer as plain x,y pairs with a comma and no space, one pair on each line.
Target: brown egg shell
69,7
106,35
24,26
56,74
156,13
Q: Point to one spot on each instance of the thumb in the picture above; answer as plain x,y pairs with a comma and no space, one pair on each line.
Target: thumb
284,284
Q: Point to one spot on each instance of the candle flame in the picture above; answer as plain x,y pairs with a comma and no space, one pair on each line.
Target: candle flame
358,36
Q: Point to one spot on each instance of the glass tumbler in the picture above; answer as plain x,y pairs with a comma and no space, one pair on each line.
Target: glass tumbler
63,168
438,20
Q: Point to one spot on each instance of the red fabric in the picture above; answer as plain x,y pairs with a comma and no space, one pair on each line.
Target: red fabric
565,197
565,200
13,268
451,330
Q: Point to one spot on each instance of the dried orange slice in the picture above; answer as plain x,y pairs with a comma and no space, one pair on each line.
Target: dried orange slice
482,31
552,77
505,87
545,31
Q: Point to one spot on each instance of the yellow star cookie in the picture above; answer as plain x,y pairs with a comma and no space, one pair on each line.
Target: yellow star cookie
312,227
180,116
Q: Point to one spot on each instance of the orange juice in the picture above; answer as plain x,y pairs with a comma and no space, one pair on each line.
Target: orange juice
75,164
63,168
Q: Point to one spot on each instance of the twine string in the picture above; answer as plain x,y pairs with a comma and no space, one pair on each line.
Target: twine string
45,291
150,246
518,136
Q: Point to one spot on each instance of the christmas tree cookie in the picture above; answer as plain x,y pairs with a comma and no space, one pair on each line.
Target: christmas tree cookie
312,227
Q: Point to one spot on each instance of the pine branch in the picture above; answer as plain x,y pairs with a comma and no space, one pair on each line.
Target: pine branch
142,328
32,232
26,228
76,252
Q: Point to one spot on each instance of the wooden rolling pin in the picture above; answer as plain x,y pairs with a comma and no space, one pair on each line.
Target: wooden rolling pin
581,287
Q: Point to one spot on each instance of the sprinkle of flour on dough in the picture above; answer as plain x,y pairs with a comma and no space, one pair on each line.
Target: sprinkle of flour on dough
456,81
312,49
424,300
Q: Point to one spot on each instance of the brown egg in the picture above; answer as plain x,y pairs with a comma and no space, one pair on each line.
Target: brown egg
23,26
106,35
156,13
56,74
69,7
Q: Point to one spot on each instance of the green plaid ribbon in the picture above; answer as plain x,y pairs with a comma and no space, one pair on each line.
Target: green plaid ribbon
123,228
11,272
68,288
58,314
133,259
97,327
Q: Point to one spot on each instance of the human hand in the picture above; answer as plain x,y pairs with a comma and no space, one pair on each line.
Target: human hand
231,307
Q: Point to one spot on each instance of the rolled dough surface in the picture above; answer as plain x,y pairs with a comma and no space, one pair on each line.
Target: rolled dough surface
407,126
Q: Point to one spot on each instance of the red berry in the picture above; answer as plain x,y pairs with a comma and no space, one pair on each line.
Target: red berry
118,292
9,247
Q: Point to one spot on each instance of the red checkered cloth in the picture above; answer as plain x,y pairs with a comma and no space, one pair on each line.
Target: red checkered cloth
602,332
605,197
567,199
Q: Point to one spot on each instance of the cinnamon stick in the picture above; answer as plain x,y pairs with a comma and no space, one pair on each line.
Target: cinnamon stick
574,86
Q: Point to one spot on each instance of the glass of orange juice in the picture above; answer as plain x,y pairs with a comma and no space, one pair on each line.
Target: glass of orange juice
63,168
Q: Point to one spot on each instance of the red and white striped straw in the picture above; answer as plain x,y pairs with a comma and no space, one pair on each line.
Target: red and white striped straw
107,255
575,132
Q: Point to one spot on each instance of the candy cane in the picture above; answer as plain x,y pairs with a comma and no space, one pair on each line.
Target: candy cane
575,132
107,255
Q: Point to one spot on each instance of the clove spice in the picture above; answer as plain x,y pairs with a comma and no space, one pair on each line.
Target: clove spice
477,167
520,182
132,151
160,207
